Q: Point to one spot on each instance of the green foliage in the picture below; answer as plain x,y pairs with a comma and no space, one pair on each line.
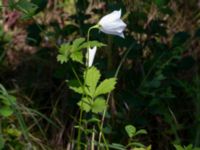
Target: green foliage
92,77
74,51
105,86
93,100
132,132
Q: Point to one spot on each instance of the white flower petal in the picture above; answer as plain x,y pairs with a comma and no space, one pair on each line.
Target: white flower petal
112,24
118,26
92,52
111,17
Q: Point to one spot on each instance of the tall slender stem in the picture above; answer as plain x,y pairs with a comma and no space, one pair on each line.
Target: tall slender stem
83,86
108,97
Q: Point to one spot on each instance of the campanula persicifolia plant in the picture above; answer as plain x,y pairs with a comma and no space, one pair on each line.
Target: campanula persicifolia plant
91,89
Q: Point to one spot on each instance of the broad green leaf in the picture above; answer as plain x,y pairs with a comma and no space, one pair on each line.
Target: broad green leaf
6,111
130,130
92,76
99,105
77,56
85,104
105,87
92,44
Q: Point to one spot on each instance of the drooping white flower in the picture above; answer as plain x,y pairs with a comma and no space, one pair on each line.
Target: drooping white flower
92,52
112,24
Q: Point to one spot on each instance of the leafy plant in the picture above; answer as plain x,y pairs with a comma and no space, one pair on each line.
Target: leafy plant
132,133
92,99
74,51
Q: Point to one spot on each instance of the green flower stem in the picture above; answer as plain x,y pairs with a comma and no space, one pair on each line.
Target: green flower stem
83,85
93,138
87,64
81,111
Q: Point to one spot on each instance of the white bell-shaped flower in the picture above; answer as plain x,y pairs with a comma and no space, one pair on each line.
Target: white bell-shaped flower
112,24
92,52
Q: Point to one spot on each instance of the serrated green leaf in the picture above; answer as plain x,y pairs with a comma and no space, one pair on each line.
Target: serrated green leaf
78,90
76,87
92,44
77,56
77,43
99,105
62,58
92,76
105,87
130,130
85,104
6,111
65,49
